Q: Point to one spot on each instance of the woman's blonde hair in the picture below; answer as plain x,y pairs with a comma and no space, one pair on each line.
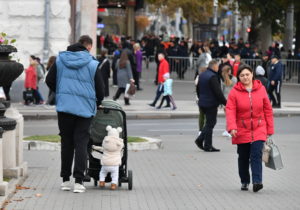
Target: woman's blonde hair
136,46
226,72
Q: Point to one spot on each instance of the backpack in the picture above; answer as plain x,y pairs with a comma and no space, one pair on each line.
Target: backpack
40,72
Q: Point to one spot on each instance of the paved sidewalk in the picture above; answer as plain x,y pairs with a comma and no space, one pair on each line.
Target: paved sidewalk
177,177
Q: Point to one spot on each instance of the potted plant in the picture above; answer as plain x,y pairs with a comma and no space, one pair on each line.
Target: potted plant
9,69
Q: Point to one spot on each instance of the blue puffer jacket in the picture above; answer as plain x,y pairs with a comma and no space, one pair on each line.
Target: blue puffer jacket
168,87
75,89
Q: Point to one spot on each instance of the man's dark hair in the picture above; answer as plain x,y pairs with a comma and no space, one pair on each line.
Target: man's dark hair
243,67
85,40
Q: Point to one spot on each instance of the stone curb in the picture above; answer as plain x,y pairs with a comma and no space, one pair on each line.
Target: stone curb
281,113
151,144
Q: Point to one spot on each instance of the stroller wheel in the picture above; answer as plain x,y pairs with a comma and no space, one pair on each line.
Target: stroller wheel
129,179
87,178
95,182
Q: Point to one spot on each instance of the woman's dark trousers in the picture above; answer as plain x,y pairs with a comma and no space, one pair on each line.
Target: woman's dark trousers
250,154
118,94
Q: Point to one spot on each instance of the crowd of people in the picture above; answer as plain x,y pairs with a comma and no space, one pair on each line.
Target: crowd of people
247,95
178,52
182,47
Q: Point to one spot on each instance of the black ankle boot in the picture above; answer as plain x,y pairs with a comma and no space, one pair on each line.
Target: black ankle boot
257,187
126,100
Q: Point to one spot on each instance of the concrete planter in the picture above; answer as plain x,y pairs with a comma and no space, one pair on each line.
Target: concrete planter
151,144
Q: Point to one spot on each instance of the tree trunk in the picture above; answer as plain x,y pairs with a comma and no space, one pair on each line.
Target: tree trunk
190,27
265,36
297,44
288,32
253,34
130,28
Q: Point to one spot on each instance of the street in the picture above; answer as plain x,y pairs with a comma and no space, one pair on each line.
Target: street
162,127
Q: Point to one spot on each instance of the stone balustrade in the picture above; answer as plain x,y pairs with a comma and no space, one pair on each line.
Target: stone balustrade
12,165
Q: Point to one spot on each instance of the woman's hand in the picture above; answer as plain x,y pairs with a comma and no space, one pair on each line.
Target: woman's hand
233,133
132,80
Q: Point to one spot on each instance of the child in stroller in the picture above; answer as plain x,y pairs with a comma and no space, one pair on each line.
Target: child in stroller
111,159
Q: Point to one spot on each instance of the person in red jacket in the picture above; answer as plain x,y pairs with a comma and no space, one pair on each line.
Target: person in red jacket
31,77
162,70
249,119
236,64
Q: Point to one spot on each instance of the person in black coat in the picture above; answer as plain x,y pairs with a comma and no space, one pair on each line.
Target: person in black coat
105,70
224,62
184,60
172,52
246,52
210,96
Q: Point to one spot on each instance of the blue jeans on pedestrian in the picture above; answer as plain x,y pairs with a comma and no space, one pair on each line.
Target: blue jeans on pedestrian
250,154
159,91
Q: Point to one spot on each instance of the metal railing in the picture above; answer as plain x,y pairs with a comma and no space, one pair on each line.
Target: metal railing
291,69
184,68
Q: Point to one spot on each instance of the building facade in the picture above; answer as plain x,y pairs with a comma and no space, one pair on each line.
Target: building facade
45,27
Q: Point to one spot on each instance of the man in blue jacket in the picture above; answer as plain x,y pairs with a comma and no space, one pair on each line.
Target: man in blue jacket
275,81
210,97
76,79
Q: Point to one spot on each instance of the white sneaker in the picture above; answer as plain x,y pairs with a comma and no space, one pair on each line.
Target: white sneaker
66,186
226,134
78,188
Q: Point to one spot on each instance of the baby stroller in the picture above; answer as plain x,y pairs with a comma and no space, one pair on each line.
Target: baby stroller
110,113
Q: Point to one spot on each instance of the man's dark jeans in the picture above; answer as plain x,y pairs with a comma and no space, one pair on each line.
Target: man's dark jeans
250,154
211,120
74,132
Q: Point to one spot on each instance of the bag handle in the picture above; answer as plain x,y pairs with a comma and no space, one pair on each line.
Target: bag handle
270,140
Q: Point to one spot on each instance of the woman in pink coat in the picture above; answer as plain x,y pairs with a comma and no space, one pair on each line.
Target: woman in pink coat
249,119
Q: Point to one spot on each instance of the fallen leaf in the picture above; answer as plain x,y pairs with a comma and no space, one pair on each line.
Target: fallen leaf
173,175
38,195
199,185
19,187
18,200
